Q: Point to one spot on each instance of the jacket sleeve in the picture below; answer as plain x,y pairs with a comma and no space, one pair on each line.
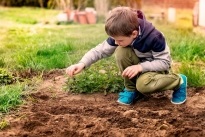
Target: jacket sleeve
100,51
161,61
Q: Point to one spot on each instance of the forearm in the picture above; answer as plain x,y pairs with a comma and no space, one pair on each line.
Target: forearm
100,51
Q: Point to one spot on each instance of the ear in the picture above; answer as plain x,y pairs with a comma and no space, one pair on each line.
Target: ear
134,33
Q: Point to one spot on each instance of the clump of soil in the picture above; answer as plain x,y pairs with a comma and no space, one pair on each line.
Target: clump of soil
52,112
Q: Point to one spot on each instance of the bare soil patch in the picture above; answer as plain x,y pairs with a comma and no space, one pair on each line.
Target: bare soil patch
52,112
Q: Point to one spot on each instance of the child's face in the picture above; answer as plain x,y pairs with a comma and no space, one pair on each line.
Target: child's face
125,41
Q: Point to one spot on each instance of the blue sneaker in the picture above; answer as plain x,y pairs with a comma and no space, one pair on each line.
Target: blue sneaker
179,95
128,97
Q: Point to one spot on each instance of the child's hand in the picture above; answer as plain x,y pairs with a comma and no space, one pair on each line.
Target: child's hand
75,69
132,71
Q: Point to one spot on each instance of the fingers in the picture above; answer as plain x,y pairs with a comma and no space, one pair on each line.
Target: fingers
71,70
74,69
130,72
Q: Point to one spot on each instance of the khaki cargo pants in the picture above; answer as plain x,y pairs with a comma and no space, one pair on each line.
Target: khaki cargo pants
148,82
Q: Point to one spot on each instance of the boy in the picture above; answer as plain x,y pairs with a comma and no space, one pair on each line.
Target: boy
142,56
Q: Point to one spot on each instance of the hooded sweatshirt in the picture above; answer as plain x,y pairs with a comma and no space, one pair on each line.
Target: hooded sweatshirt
150,47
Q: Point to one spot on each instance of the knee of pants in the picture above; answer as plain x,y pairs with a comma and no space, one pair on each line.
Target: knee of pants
122,52
145,85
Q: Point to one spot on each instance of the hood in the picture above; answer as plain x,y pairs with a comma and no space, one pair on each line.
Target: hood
145,28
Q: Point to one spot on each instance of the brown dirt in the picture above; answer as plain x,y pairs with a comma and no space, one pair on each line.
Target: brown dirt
51,112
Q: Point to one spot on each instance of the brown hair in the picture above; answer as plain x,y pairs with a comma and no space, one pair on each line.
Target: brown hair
122,21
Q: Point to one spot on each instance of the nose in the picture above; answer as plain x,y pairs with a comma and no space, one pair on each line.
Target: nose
117,43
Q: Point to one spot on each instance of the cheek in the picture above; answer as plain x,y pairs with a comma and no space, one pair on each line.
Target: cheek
126,43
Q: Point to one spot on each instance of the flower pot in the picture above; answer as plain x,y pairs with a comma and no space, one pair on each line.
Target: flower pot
91,18
82,19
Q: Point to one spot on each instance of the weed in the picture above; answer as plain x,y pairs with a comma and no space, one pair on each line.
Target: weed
5,77
97,79
3,124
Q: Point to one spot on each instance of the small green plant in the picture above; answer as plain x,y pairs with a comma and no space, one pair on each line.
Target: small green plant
3,124
5,77
97,79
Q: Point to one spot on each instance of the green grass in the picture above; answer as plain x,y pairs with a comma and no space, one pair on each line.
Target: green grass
26,15
47,48
31,40
195,74
184,43
10,96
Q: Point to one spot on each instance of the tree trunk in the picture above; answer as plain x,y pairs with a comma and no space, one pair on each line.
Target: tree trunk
40,3
101,7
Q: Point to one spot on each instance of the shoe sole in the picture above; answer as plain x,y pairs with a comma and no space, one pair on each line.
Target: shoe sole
178,103
135,100
123,103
